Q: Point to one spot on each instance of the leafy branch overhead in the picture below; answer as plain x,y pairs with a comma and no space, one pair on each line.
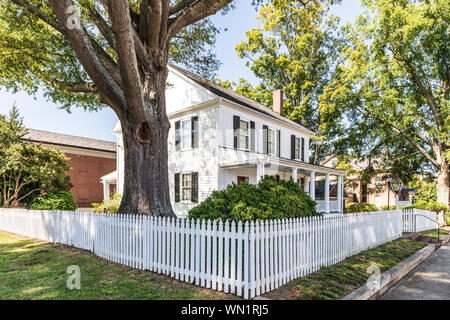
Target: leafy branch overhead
36,53
394,85
112,52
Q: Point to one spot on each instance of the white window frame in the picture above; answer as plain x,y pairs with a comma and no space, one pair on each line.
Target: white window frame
186,138
275,142
183,187
298,155
242,135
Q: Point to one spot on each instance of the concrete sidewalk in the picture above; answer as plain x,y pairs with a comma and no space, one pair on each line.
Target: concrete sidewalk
429,281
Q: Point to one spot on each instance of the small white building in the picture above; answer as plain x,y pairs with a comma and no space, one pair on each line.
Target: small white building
218,137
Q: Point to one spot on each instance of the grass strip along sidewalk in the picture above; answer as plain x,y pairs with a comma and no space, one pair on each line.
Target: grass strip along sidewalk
336,281
31,269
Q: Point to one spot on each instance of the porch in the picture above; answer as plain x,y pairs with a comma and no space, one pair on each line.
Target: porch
323,184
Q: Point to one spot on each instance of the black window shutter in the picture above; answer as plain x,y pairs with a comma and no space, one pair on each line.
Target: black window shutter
236,126
177,187
177,136
194,186
293,147
278,143
265,139
252,136
303,149
194,132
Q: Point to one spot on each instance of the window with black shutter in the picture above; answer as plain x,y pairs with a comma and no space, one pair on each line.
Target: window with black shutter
194,186
194,132
177,187
303,149
278,142
177,136
265,138
292,147
252,136
236,125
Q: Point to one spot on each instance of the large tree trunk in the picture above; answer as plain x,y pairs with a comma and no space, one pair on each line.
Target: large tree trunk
442,186
146,185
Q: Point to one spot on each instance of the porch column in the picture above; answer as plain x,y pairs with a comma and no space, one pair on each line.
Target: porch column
294,174
306,186
339,193
259,171
327,193
312,185
105,191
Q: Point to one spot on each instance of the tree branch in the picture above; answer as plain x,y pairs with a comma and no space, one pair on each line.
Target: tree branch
26,195
181,5
102,26
198,11
126,53
403,134
154,25
43,16
81,43
415,78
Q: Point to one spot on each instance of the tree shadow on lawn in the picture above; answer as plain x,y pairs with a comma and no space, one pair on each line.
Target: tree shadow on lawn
336,281
37,270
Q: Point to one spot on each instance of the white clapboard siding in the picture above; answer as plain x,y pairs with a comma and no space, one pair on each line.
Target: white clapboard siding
247,259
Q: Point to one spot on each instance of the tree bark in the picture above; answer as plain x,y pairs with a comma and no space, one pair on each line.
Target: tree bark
145,133
442,185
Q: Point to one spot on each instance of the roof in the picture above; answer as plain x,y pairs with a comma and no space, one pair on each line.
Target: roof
59,139
236,97
110,177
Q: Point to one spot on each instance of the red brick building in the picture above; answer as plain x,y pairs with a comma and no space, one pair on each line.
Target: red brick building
89,160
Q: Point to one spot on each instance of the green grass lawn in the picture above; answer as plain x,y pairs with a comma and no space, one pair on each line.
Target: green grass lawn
336,281
433,233
31,269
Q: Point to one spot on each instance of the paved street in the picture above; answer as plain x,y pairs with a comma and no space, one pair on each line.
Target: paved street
429,281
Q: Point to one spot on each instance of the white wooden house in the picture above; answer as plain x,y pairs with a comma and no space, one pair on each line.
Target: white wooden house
218,137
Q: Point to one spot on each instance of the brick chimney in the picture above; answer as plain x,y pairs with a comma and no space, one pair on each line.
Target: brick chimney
278,102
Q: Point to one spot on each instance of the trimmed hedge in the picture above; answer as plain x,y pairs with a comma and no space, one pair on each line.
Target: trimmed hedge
61,200
268,199
360,207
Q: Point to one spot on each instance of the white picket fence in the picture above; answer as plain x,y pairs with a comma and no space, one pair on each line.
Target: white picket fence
416,220
244,259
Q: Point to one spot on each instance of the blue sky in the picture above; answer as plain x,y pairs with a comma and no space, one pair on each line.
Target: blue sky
41,114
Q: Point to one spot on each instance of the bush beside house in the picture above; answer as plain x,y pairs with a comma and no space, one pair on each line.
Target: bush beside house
268,199
352,207
62,200
111,206
27,170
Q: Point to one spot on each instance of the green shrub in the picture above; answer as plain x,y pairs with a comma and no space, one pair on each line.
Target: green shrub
61,200
391,207
360,207
111,206
268,199
429,205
